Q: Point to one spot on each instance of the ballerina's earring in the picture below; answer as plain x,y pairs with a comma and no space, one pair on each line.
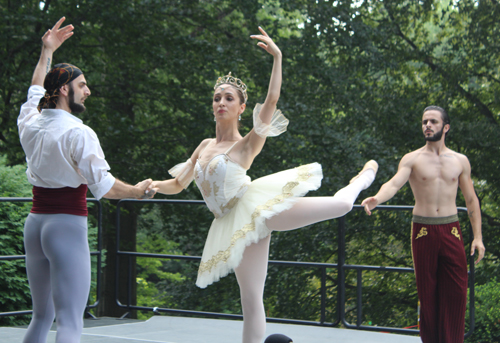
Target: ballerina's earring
215,119
239,117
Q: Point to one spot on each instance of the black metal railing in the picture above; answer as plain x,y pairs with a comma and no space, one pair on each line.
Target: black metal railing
341,267
97,253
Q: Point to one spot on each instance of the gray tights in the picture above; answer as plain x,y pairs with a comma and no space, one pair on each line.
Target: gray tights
58,267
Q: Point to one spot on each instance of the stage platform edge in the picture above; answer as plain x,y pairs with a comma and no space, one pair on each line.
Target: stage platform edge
168,329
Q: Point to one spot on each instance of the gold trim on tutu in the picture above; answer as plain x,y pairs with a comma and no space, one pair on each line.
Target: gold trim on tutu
218,264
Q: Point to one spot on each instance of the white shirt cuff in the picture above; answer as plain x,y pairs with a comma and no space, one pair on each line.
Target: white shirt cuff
103,187
36,90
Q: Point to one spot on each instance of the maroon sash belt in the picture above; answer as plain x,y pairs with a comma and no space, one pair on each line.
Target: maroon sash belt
60,200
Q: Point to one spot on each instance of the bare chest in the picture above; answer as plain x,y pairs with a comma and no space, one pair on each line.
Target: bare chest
429,169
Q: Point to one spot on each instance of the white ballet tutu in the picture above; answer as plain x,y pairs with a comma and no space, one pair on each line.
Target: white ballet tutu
246,222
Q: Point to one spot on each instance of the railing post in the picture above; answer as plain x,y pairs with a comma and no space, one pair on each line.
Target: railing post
359,297
129,283
341,271
117,257
323,295
99,259
472,310
99,248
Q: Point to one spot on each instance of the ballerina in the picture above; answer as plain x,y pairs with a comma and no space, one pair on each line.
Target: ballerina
247,212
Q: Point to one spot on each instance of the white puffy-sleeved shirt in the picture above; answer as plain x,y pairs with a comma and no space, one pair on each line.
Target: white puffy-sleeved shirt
60,150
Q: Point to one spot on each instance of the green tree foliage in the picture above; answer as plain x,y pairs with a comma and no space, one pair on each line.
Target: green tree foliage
14,290
153,274
487,313
356,77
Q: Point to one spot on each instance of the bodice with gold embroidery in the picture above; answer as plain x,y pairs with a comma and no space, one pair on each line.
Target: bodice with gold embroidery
222,183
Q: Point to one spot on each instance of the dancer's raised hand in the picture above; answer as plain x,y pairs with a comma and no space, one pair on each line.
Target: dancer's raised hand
267,43
53,38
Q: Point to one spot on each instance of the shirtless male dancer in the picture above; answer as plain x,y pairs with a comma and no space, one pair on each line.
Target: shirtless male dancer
64,157
435,172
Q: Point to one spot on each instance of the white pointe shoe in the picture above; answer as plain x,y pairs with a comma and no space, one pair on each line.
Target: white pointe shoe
372,164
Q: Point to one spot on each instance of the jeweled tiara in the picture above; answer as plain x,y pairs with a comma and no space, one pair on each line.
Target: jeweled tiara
233,81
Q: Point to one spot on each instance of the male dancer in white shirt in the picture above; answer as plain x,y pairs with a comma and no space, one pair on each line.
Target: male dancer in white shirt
64,157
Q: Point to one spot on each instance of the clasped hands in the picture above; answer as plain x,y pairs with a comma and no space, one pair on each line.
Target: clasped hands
147,189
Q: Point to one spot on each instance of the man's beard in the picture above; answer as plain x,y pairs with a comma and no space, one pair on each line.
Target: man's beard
436,137
74,107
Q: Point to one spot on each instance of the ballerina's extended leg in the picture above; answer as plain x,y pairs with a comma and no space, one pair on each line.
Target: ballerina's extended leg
310,210
251,273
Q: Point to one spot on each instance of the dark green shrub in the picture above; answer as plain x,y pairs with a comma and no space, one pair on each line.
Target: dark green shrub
14,289
487,314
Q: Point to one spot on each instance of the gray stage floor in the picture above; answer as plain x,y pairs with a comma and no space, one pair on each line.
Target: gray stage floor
165,329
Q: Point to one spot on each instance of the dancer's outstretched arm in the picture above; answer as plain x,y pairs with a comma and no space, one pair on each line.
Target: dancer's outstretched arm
273,93
52,40
391,187
122,190
253,143
170,186
186,174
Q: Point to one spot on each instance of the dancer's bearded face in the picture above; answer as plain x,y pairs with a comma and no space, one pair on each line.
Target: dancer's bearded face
432,126
435,137
77,98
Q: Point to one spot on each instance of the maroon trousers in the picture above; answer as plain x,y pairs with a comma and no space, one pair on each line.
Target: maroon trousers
441,273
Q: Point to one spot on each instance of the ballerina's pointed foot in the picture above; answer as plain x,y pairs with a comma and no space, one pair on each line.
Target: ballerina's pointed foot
372,164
